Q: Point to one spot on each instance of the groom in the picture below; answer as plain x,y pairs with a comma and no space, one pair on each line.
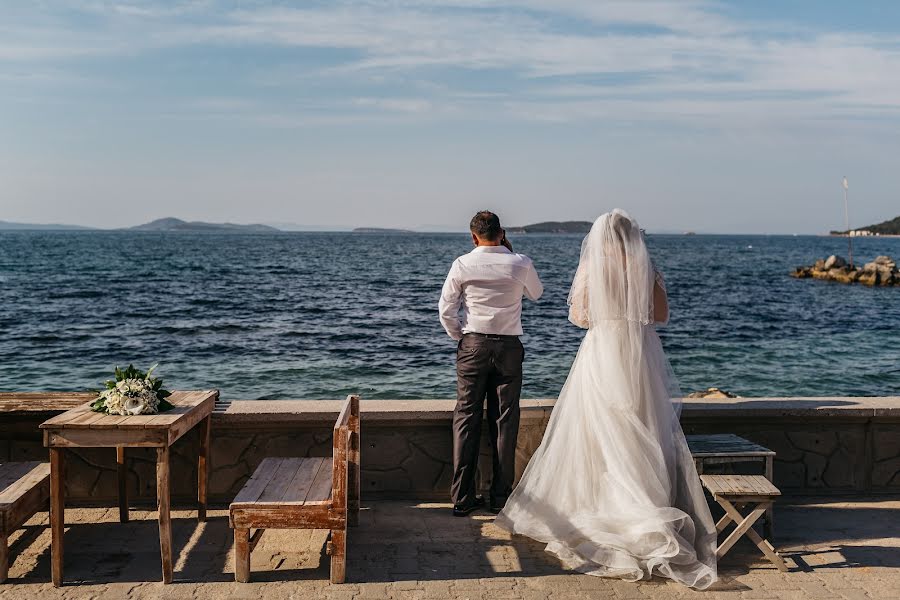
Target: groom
487,284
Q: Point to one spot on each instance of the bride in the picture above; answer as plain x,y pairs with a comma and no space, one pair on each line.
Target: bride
612,489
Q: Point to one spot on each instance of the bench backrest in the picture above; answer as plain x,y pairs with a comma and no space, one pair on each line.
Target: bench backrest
345,472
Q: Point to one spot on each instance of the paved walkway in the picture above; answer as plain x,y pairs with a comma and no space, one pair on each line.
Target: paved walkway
836,549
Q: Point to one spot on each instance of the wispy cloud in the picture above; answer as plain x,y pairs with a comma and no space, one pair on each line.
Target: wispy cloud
564,60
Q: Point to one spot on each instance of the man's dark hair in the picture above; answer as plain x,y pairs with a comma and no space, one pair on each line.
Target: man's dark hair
486,225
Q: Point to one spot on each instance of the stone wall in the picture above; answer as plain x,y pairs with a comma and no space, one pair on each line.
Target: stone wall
823,445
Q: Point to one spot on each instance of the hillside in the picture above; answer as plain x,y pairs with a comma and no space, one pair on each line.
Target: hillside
891,227
380,230
173,224
7,226
554,227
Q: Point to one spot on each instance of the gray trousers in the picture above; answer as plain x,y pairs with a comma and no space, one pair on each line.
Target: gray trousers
488,368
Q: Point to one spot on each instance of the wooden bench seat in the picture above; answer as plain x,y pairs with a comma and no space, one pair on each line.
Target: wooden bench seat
24,490
303,493
728,448
733,493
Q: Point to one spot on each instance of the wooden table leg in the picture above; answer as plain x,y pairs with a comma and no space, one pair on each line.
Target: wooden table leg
57,513
123,483
203,468
165,517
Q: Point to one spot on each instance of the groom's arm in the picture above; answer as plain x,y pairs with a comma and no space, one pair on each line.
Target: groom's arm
534,289
451,298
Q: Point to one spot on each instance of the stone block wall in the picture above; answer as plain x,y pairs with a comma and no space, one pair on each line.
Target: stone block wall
823,445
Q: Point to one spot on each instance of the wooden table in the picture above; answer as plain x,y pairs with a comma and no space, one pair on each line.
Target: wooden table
83,428
727,448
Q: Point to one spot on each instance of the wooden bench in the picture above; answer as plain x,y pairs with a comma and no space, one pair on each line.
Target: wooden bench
727,448
303,493
734,492
24,490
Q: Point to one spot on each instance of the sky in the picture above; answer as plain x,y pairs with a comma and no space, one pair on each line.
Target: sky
708,116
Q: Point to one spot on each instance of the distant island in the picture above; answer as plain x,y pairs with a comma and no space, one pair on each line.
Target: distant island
7,226
173,224
891,227
380,230
554,227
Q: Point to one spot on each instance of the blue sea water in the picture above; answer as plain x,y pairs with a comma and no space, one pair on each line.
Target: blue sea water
319,315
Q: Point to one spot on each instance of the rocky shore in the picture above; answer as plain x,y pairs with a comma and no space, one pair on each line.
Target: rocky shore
881,272
712,393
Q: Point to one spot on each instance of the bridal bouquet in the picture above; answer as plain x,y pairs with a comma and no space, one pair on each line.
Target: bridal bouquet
133,393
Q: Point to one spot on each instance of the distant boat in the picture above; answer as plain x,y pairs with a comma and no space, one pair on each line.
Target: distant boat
690,233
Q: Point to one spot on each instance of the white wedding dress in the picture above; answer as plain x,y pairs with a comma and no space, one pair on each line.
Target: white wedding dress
612,489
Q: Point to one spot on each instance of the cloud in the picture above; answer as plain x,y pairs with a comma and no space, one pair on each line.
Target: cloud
558,60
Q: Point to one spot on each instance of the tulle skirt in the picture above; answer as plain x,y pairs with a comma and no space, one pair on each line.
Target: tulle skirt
612,490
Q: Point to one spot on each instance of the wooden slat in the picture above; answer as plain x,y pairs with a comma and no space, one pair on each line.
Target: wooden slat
11,472
23,402
83,420
298,489
33,474
320,490
201,410
184,403
258,481
281,479
724,445
285,516
344,416
105,438
744,486
60,420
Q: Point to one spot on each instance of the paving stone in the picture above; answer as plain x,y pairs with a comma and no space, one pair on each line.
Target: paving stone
423,553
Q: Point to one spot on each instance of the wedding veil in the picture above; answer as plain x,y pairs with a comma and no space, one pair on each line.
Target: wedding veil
613,290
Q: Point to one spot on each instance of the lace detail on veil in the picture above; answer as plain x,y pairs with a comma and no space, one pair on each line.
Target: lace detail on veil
579,300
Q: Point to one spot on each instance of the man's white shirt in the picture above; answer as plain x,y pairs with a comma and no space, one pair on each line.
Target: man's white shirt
488,284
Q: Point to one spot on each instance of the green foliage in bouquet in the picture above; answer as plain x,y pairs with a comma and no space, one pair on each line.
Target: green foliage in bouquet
133,392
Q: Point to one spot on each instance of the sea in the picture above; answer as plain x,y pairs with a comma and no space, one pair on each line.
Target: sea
321,315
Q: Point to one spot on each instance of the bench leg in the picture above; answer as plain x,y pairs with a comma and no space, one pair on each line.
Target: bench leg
743,525
122,473
242,555
4,558
338,555
764,545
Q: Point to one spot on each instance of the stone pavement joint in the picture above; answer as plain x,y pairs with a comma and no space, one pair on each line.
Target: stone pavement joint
842,549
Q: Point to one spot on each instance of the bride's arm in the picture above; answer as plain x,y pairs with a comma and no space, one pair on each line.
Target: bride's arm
578,299
660,300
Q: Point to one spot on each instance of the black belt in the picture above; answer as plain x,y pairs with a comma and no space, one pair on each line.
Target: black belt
492,336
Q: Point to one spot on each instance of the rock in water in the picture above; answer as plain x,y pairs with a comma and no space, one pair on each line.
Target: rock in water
712,392
881,272
834,262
